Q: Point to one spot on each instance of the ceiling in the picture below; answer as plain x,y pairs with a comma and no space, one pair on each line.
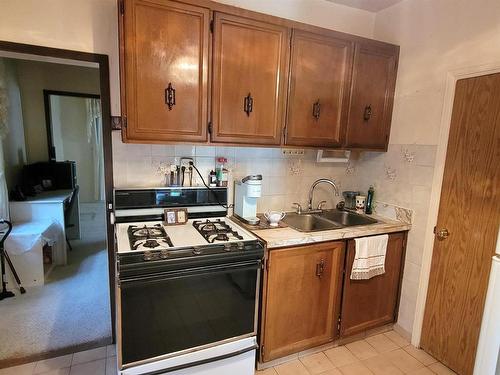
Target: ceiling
369,5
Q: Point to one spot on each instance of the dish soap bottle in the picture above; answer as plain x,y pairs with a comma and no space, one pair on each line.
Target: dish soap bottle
369,201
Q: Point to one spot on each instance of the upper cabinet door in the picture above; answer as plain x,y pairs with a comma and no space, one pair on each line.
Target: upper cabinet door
165,54
372,95
249,80
320,75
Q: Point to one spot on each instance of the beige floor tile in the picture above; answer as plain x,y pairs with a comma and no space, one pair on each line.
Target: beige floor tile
381,365
403,360
89,368
267,371
397,339
59,371
361,349
316,363
111,366
333,371
340,356
421,371
55,363
111,351
89,355
419,354
381,343
294,367
440,369
26,369
356,368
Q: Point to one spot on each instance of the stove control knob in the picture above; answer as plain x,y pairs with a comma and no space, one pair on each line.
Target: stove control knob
241,246
227,246
148,255
164,254
197,251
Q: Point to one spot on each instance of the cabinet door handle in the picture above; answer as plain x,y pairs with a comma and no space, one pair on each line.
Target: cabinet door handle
320,268
368,112
248,104
316,110
170,96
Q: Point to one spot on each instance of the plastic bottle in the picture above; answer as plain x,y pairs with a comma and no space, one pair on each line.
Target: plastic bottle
221,172
369,201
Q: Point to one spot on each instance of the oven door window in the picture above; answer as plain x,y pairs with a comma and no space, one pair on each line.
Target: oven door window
187,309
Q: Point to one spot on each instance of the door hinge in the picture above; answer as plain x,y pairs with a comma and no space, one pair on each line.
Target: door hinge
338,324
124,121
122,7
211,26
267,265
210,127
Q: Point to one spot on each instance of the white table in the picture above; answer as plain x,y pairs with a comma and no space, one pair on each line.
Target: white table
25,249
48,206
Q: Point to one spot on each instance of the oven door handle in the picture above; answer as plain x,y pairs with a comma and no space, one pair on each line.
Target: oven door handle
198,271
203,361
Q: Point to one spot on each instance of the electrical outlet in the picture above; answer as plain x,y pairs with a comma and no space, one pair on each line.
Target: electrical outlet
292,151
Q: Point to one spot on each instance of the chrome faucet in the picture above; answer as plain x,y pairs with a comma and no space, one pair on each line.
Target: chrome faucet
316,183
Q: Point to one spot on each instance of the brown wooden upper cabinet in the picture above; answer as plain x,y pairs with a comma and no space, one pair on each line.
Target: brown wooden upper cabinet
302,298
372,303
320,77
165,61
249,80
372,95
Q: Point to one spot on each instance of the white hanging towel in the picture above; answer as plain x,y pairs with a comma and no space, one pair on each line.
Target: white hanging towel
369,260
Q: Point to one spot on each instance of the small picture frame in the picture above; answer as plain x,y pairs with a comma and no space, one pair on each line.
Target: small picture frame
175,216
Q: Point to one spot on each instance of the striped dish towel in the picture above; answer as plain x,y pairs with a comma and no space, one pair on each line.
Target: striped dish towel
369,260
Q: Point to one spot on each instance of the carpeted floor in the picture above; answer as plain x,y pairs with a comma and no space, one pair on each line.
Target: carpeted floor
70,312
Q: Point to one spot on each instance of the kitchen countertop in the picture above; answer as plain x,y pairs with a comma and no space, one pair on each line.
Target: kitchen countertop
284,237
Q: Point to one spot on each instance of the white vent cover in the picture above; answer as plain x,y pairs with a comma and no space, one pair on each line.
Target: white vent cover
333,156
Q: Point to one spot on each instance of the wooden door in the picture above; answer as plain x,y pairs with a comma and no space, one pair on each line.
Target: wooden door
166,71
302,298
372,95
470,211
320,77
372,303
249,80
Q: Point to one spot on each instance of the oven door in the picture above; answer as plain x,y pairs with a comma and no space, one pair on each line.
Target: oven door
176,312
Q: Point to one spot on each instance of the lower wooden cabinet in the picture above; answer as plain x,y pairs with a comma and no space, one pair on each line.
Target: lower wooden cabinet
301,298
371,303
309,298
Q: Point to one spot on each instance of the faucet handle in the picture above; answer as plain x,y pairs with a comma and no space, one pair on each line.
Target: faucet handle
320,205
299,207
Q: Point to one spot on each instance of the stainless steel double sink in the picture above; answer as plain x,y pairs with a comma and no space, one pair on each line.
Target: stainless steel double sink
325,220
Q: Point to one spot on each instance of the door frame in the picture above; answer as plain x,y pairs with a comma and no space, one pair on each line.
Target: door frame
48,115
452,77
105,95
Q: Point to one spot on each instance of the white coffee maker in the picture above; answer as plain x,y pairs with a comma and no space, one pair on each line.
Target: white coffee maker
246,193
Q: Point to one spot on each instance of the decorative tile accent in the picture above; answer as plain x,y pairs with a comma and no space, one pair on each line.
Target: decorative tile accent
391,173
393,212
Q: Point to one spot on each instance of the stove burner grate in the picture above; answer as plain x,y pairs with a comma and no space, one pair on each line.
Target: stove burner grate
216,230
147,236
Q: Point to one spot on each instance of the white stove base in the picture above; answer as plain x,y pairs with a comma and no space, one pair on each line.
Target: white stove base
240,364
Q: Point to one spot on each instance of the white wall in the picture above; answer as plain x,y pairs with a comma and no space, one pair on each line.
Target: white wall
436,37
315,12
81,25
33,78
14,149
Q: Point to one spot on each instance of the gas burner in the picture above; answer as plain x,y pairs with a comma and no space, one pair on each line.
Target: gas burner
151,244
147,237
216,230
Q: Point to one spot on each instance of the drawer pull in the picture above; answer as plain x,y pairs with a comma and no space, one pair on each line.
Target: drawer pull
320,268
170,96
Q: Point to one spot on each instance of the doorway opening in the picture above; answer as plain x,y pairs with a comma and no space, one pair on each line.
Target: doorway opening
56,151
